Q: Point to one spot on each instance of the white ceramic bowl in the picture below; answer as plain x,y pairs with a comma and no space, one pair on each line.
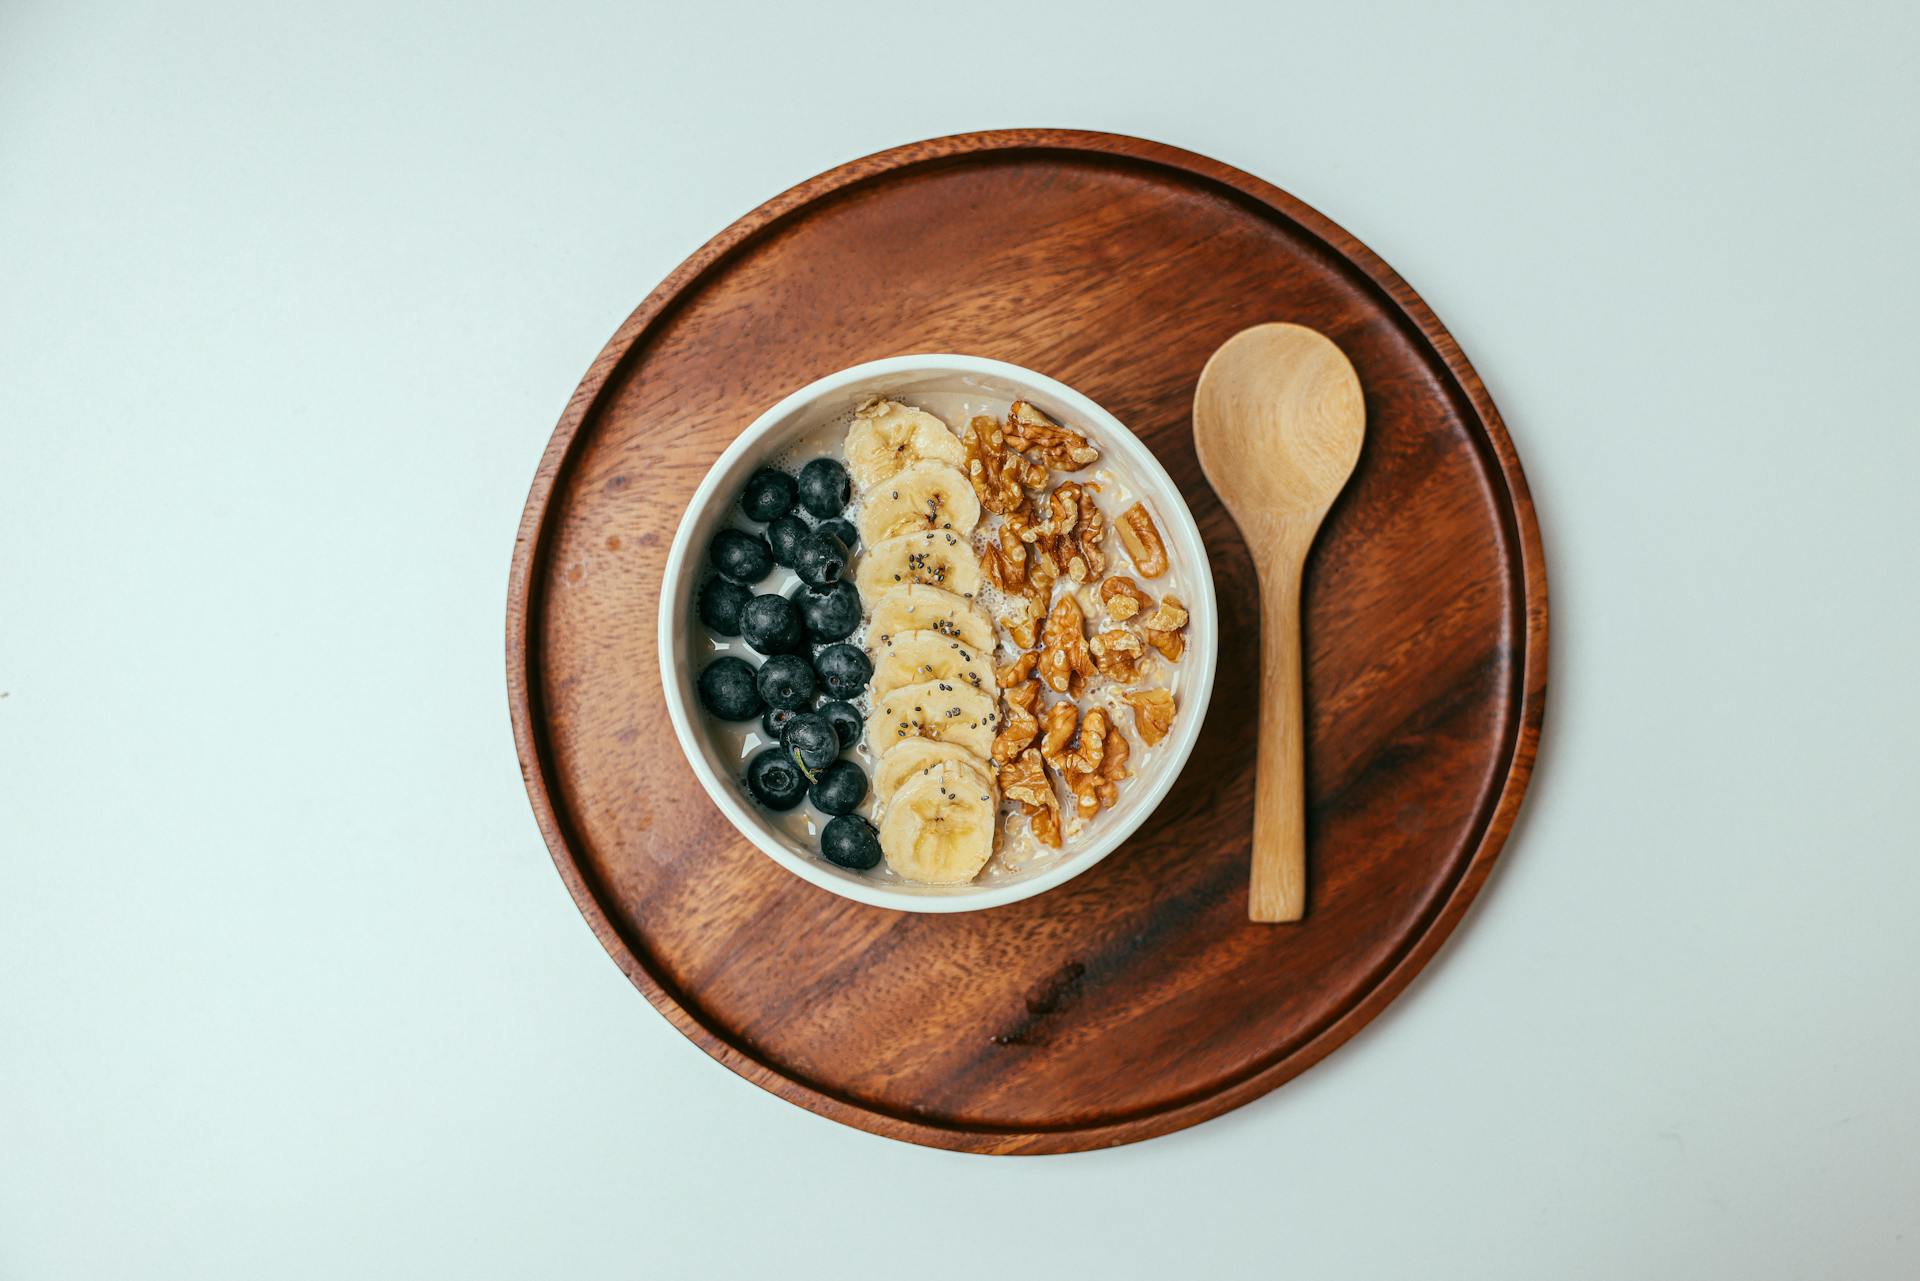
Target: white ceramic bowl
819,404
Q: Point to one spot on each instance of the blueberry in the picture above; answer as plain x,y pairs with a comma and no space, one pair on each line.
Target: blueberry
850,841
840,787
774,722
831,614
845,719
824,488
812,742
768,494
844,670
786,680
819,560
721,600
775,781
741,556
727,689
784,534
842,532
772,625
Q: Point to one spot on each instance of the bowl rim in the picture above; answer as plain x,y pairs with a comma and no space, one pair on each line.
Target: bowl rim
1197,695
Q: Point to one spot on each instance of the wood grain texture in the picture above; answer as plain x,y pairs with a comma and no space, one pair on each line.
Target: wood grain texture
1136,999
1278,422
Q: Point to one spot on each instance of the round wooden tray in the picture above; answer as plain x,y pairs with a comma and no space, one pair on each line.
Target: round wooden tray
1136,999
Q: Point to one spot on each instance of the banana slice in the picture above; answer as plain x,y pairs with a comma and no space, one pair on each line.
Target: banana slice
938,828
926,495
931,558
887,436
916,607
916,756
907,658
933,709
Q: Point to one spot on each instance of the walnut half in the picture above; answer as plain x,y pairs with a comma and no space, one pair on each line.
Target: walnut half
1086,561
1064,661
1166,628
1088,749
1025,630
1003,560
1117,654
1045,820
1020,669
1114,768
1032,432
1062,514
1152,713
997,474
1024,779
1122,598
1022,562
1057,736
1048,534
1096,764
1021,725
1142,539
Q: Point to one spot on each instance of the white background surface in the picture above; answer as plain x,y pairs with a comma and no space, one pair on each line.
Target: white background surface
290,297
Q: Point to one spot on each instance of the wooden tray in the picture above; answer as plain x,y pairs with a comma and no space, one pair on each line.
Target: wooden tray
1136,999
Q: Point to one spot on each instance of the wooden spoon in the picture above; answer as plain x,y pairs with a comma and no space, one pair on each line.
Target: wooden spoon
1277,423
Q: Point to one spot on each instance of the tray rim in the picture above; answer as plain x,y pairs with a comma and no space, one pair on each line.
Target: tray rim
521,649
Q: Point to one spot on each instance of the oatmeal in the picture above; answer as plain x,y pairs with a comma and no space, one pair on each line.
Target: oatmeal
975,648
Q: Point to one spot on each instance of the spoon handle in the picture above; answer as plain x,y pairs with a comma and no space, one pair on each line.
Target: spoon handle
1278,889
